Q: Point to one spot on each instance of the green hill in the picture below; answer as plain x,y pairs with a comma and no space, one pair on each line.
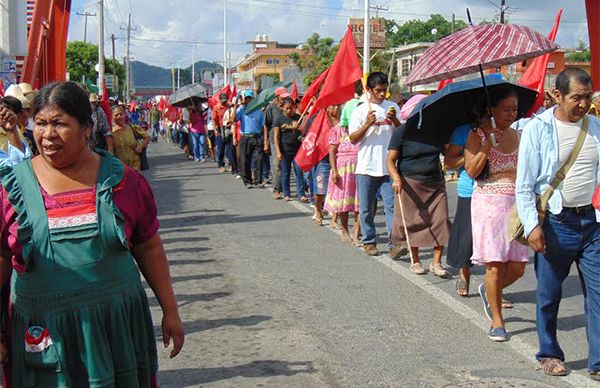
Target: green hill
145,75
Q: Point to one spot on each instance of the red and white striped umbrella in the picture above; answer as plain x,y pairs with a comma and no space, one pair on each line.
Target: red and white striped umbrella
490,45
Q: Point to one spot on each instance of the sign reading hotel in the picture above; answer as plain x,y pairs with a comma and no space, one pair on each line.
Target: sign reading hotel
357,25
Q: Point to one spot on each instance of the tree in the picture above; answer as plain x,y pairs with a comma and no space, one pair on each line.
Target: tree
415,31
316,55
81,59
580,56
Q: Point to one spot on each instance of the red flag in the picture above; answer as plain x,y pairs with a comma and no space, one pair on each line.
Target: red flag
343,74
313,89
162,104
1,88
535,75
445,82
316,142
233,93
104,103
214,99
294,93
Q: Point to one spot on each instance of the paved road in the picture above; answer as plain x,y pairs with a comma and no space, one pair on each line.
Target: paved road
269,300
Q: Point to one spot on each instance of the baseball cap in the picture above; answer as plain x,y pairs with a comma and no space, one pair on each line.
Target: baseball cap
247,93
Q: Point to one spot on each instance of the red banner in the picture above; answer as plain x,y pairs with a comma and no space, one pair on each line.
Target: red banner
316,142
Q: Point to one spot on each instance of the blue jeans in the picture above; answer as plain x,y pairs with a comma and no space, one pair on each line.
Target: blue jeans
287,161
569,238
367,197
198,140
266,168
220,151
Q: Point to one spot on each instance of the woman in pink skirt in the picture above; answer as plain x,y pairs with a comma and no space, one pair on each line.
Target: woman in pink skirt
342,196
491,156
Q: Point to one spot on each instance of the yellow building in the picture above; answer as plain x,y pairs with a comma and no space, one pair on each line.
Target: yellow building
268,58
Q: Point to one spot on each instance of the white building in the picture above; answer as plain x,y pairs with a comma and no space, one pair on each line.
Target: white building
406,57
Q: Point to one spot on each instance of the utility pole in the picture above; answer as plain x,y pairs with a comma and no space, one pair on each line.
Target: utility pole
502,11
101,48
114,69
85,14
193,63
367,41
453,22
378,8
178,75
225,67
173,73
128,65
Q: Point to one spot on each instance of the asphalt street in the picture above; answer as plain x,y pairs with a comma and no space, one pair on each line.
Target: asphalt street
270,300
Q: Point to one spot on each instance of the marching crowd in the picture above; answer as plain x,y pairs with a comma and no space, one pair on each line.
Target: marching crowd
503,165
85,317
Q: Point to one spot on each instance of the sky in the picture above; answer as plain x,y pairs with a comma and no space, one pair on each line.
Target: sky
164,29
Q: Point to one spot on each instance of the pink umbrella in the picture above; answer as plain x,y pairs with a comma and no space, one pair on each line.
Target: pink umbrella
409,105
468,50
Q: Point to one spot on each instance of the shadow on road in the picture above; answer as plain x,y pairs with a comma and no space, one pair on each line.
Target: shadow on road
209,324
227,219
176,279
185,299
190,261
263,368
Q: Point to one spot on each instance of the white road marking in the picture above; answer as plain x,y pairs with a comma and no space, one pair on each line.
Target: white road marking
575,378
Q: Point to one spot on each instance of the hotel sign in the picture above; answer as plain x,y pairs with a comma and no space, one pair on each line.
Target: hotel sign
357,25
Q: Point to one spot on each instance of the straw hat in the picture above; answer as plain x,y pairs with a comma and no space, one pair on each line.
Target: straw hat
26,88
15,91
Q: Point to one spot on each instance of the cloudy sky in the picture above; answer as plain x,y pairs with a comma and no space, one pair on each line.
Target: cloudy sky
165,28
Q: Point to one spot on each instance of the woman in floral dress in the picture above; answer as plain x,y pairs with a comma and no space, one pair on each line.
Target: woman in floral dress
495,149
342,196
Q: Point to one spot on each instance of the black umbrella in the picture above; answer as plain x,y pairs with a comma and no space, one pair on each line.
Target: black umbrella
189,95
435,117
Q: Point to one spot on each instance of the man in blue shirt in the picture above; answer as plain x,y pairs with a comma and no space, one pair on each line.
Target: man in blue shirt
251,142
571,231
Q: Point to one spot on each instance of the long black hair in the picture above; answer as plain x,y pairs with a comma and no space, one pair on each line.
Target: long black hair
69,97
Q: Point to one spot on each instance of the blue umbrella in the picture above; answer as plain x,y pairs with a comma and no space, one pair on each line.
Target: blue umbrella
434,118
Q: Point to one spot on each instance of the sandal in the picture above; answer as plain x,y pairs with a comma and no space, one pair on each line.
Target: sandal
287,199
417,269
318,221
506,304
462,287
304,199
438,270
277,195
595,375
550,365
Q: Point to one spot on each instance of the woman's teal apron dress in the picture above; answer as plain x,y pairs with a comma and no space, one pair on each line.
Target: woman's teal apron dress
80,314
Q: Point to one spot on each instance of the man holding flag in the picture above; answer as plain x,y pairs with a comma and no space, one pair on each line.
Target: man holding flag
371,126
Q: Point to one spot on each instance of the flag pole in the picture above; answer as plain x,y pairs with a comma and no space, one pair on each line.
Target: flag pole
310,105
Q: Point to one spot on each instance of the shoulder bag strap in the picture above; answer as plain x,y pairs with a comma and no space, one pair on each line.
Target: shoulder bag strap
562,172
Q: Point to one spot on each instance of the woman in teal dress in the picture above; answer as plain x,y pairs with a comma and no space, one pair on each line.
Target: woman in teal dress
77,229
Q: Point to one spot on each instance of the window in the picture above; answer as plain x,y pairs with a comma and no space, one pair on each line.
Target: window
272,61
405,67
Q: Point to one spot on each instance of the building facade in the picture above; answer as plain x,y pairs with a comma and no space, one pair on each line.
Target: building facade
268,58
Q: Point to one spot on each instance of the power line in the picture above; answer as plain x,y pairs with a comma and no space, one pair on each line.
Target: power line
180,41
85,14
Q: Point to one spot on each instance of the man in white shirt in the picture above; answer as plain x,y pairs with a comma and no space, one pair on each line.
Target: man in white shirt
571,231
371,126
